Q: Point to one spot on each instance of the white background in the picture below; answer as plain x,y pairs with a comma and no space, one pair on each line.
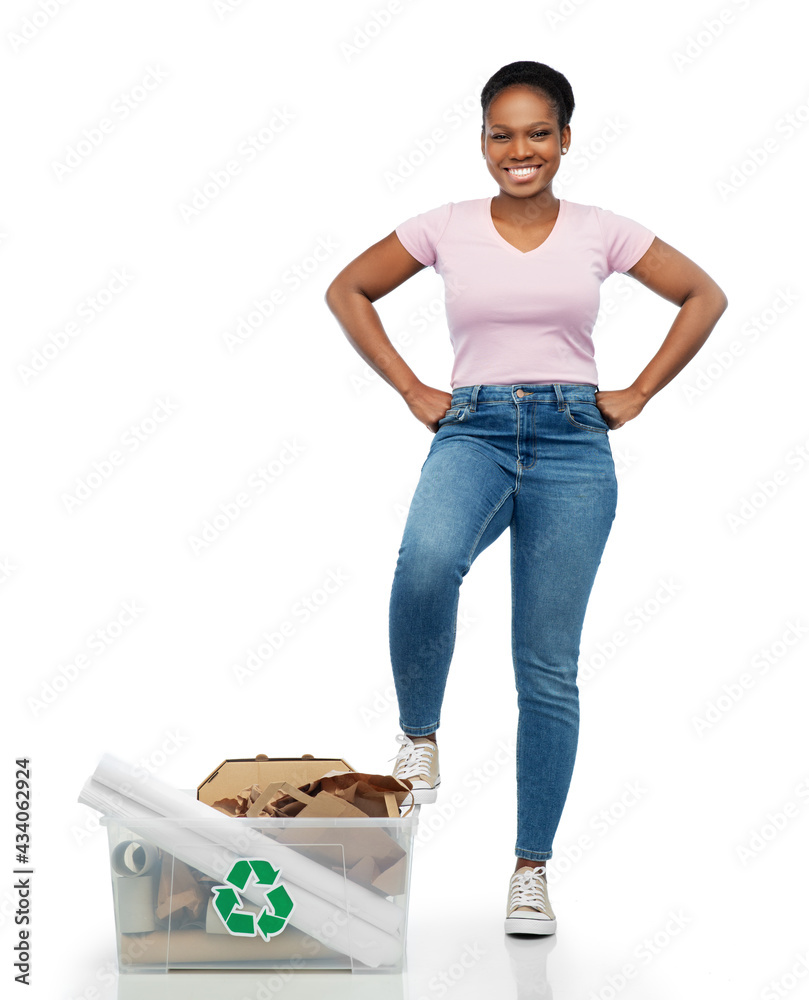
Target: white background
703,569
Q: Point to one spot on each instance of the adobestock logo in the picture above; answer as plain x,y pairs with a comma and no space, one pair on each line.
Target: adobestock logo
33,24
601,823
98,642
90,308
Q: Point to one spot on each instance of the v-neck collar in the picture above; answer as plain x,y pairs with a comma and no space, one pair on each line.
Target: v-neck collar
487,206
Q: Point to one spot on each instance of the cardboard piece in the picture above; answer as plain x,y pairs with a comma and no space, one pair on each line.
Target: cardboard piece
392,880
374,794
365,871
180,896
233,774
194,946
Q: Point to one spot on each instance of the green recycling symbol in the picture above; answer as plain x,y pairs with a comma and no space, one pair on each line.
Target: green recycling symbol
227,902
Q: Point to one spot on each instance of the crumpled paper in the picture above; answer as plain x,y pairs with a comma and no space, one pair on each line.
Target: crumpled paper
241,803
182,897
366,792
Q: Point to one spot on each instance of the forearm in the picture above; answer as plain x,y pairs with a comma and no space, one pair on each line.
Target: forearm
362,326
692,326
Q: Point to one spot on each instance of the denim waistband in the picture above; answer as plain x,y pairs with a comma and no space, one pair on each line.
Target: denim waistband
559,392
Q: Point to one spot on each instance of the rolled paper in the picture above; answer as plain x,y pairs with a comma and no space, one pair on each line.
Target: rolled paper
331,925
133,858
135,904
237,835
196,948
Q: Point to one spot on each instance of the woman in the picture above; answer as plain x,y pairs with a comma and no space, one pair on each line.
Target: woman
521,441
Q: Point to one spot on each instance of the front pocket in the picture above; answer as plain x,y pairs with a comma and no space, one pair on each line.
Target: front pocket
586,416
454,413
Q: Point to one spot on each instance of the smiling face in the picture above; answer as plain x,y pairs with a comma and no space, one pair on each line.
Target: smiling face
522,142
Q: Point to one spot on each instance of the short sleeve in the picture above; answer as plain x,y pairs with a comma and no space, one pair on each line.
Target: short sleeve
419,235
625,241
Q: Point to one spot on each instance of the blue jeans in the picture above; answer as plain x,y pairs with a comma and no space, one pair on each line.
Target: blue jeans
535,458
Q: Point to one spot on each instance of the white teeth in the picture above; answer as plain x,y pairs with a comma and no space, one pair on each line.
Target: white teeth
522,171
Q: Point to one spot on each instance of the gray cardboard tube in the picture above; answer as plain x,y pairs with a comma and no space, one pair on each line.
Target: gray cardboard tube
133,858
136,904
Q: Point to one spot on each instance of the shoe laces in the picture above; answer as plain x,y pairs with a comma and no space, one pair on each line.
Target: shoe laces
413,759
528,888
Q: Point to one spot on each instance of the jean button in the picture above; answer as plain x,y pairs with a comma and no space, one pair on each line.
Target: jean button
520,392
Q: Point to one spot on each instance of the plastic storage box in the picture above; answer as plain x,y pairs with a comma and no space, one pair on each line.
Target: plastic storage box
261,893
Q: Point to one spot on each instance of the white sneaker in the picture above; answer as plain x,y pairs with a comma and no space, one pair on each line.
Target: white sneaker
417,760
529,911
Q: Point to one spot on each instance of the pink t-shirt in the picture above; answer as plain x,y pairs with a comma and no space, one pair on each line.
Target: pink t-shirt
523,317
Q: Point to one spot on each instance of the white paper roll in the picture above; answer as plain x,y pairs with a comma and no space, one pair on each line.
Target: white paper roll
331,925
136,904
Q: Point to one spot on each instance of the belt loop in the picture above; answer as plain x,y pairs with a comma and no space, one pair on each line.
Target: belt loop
473,400
560,399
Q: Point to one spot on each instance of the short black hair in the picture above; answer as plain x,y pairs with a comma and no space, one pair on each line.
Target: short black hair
544,80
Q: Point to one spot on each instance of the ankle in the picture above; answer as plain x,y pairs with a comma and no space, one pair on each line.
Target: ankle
528,863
